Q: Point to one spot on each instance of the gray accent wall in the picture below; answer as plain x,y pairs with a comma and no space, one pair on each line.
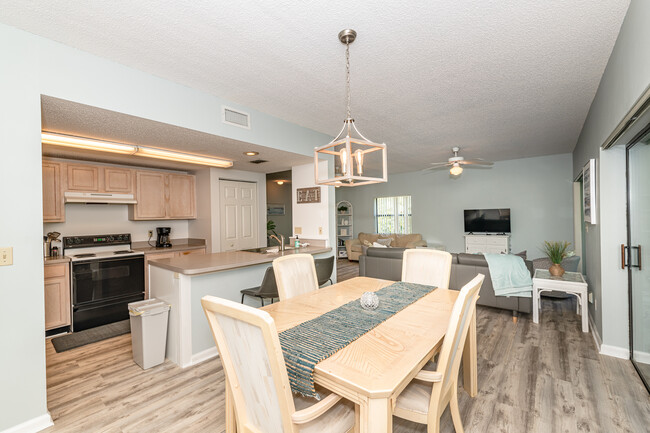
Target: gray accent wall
626,77
538,191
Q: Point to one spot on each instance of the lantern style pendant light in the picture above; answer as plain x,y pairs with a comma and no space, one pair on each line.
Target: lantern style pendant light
357,160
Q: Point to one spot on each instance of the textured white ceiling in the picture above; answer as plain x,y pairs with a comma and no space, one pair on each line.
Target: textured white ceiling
502,79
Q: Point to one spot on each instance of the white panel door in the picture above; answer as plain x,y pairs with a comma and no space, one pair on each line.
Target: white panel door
238,215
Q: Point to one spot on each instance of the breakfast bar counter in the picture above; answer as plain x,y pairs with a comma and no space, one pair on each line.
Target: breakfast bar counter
183,281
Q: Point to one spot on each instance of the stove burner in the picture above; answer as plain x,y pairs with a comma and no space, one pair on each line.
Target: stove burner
81,256
123,252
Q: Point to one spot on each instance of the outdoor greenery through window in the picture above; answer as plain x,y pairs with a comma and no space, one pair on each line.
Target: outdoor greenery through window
393,214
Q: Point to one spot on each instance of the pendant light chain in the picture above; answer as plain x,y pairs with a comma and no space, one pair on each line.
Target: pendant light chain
347,68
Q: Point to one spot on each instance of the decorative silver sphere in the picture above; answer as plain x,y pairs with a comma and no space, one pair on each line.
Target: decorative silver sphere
369,301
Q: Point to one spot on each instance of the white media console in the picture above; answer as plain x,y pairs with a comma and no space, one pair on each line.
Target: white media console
498,244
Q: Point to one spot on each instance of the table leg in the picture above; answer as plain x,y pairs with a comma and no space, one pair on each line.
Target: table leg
231,422
585,312
535,304
376,416
470,358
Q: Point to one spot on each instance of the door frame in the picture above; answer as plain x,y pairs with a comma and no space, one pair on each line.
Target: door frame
634,141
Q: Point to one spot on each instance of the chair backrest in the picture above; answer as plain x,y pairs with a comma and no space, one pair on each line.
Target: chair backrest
251,355
324,268
454,343
268,288
295,274
426,266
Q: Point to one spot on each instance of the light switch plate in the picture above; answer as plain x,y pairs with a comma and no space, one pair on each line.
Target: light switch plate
320,230
298,230
6,256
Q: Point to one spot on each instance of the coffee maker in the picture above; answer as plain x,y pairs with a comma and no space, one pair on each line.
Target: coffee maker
162,240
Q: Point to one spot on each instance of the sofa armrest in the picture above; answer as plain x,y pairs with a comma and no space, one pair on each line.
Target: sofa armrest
349,243
414,244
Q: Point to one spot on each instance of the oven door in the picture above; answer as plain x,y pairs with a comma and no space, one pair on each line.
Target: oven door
106,279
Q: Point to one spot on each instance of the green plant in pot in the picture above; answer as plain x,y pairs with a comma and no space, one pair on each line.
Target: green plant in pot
343,208
556,251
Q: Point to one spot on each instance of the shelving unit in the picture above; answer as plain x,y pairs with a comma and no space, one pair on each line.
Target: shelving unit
343,227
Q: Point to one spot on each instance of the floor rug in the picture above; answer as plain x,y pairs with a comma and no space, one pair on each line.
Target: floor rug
93,335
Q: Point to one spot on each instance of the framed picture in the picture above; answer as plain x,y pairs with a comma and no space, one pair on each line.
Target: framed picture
589,191
275,209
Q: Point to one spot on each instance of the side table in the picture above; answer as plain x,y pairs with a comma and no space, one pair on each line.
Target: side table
572,283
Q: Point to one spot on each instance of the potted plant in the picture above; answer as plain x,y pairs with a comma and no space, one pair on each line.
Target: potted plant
556,251
343,208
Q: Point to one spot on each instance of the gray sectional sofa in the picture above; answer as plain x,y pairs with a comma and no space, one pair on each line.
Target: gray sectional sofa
386,263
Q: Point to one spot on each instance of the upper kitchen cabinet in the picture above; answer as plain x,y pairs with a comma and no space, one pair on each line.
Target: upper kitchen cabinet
118,180
164,196
82,177
53,209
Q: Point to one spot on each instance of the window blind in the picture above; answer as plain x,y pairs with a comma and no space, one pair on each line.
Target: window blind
393,214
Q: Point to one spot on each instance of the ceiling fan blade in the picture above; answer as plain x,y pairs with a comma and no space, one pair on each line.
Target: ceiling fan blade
437,167
477,162
440,164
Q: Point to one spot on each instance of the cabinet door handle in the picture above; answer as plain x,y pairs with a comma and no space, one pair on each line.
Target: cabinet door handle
622,256
638,256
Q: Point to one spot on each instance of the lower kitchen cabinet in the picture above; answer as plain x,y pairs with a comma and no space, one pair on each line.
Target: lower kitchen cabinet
164,255
57,296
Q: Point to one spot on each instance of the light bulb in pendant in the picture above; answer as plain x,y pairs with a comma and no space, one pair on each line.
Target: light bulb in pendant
344,161
358,154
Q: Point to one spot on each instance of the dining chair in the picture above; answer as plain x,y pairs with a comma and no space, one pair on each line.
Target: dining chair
426,266
267,290
257,379
436,385
295,274
324,268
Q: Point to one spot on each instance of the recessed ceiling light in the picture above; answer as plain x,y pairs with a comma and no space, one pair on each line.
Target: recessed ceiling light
251,153
280,182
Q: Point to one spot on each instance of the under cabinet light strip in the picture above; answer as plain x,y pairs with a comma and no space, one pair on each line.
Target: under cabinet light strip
129,149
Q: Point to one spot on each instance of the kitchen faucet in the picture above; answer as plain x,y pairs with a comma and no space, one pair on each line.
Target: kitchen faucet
280,240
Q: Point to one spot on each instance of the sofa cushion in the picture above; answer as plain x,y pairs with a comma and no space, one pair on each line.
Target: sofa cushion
384,241
372,237
403,240
391,253
472,259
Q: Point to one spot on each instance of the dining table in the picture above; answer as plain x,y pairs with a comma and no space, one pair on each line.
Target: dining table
372,370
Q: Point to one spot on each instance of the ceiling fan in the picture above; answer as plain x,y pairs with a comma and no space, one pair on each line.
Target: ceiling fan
456,163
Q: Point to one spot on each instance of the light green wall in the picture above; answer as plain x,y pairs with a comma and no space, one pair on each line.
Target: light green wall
31,66
537,190
626,76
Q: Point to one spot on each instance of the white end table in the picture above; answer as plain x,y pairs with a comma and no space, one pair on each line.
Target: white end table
572,283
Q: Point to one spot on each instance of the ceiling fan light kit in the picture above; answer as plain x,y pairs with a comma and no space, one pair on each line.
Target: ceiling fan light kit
357,160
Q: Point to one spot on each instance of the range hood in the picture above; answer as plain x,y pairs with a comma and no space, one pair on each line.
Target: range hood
99,198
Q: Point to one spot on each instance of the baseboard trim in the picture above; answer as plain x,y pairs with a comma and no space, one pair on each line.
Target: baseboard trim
33,425
594,333
198,358
642,357
615,351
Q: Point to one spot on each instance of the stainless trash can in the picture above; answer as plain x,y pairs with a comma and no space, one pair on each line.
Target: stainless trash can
149,331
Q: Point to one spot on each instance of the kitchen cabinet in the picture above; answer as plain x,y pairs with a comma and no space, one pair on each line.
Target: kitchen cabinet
118,180
164,196
53,209
57,296
164,255
83,177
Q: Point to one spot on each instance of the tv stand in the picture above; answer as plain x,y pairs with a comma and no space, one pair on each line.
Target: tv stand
487,243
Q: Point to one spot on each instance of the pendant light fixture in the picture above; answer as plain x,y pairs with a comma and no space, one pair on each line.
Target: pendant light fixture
357,160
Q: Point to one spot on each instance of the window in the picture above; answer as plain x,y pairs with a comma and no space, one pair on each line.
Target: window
393,214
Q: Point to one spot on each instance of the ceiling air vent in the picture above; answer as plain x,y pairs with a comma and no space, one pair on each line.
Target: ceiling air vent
236,118
258,161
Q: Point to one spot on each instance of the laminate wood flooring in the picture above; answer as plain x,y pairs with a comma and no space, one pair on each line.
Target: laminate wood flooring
346,269
542,378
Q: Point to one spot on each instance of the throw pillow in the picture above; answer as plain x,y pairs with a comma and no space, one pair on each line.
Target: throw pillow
385,241
366,243
522,254
378,245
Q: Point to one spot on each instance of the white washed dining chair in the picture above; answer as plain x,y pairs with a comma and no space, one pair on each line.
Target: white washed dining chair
426,266
295,274
436,386
256,376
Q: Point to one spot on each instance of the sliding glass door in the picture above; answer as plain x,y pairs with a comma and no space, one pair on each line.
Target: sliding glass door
636,253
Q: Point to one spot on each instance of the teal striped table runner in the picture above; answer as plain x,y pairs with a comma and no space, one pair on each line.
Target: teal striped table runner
309,343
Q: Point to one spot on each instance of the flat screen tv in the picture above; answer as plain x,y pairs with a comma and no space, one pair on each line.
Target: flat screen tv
487,220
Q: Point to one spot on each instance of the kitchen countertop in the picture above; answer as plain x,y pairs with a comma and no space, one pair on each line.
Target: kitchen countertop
177,245
197,264
55,260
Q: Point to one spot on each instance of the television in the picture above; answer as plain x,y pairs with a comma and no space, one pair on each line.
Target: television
487,220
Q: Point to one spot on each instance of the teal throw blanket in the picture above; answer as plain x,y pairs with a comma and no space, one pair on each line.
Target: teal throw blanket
510,276
307,344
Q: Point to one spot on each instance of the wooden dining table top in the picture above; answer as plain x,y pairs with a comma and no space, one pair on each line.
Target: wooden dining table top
380,363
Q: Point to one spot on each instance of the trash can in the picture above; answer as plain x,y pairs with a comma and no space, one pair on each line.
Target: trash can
149,331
